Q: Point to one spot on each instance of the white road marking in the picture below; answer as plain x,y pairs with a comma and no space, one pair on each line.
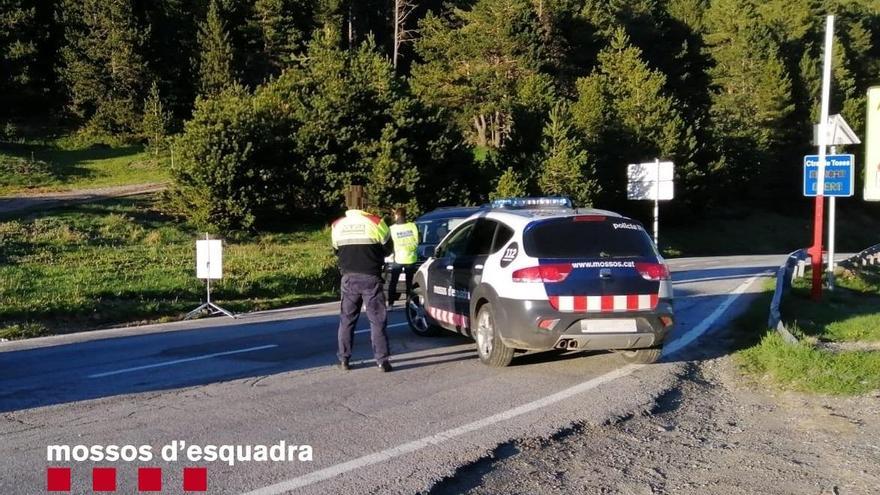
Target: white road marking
443,436
691,335
438,438
366,330
185,360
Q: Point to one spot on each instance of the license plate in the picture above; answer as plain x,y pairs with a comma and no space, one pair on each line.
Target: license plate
608,326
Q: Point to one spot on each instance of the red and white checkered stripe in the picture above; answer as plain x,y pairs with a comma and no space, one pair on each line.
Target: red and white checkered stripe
604,304
449,317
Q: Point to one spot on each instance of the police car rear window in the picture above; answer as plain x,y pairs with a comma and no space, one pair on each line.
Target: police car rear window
571,238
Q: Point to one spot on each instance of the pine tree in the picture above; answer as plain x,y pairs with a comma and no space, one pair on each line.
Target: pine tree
752,91
510,185
626,116
18,52
102,64
215,53
475,63
284,26
155,123
565,168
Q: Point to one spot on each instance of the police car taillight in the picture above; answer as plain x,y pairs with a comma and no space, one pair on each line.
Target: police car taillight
653,271
544,273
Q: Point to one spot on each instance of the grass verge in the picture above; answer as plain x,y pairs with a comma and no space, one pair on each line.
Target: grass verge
841,317
122,261
29,168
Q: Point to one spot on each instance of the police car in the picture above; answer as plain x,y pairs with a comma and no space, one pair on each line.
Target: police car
433,227
534,274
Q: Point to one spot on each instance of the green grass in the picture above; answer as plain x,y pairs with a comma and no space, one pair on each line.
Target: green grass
850,313
805,368
55,167
122,261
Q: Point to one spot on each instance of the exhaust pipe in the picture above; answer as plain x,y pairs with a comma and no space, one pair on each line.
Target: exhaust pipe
573,344
562,344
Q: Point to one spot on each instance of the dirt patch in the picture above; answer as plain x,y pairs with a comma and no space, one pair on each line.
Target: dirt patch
716,433
39,201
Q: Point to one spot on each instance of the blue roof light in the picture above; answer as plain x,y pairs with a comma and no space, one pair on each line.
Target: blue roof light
537,202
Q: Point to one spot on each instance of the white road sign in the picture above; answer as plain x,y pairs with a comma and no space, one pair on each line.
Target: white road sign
652,180
872,146
209,259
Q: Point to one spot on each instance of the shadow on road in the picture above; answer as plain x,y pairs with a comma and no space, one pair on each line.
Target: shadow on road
65,373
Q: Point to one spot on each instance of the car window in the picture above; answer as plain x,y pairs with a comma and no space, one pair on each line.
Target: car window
433,231
481,238
587,237
457,243
503,235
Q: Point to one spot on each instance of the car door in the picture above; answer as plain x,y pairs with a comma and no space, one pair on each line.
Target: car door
440,293
467,270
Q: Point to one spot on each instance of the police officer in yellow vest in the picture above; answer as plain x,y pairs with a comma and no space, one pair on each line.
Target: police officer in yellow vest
405,236
362,241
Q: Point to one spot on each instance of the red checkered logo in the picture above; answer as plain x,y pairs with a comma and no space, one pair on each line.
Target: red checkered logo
149,479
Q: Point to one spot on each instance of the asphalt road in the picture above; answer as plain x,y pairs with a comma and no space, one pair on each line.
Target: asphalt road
269,377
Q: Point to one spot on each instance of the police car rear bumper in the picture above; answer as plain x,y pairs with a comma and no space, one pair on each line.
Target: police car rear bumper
519,325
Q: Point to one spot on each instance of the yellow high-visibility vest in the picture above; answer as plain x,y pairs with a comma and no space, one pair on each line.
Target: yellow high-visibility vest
406,243
359,227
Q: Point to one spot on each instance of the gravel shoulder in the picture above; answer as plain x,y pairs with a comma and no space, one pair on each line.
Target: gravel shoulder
714,432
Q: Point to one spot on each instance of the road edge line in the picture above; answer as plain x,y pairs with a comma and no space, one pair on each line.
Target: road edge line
443,436
695,332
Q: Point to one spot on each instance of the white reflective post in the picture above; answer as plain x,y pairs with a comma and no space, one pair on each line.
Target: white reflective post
657,207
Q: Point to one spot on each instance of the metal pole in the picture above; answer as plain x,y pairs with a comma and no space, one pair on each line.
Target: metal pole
819,215
657,206
208,280
832,216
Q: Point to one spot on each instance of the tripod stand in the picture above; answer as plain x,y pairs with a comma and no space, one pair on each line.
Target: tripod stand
211,308
206,252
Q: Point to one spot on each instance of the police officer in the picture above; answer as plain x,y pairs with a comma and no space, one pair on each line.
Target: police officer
405,236
362,241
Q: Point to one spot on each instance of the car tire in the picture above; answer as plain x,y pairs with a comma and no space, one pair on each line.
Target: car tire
641,356
417,315
492,351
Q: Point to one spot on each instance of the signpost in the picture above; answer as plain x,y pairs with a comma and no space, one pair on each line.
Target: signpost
653,181
209,265
819,215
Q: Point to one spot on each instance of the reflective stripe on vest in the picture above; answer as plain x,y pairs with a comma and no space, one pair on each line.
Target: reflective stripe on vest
406,243
359,227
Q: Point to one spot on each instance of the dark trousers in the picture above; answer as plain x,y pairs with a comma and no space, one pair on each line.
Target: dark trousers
361,289
408,272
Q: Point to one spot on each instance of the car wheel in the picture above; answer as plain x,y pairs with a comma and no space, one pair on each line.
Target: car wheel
641,356
417,316
491,349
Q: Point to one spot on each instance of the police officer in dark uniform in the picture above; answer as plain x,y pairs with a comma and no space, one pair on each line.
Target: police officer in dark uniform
362,241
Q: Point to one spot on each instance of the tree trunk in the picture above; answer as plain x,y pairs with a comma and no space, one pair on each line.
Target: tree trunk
396,32
350,25
480,129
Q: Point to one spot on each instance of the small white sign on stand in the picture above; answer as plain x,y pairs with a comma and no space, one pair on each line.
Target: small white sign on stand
209,259
652,181
209,265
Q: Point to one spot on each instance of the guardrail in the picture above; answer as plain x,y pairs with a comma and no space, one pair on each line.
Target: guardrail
870,256
792,269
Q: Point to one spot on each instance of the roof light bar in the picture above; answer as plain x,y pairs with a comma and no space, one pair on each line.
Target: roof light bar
553,202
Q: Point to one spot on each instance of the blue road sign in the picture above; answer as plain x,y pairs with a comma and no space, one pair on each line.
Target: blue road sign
838,175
